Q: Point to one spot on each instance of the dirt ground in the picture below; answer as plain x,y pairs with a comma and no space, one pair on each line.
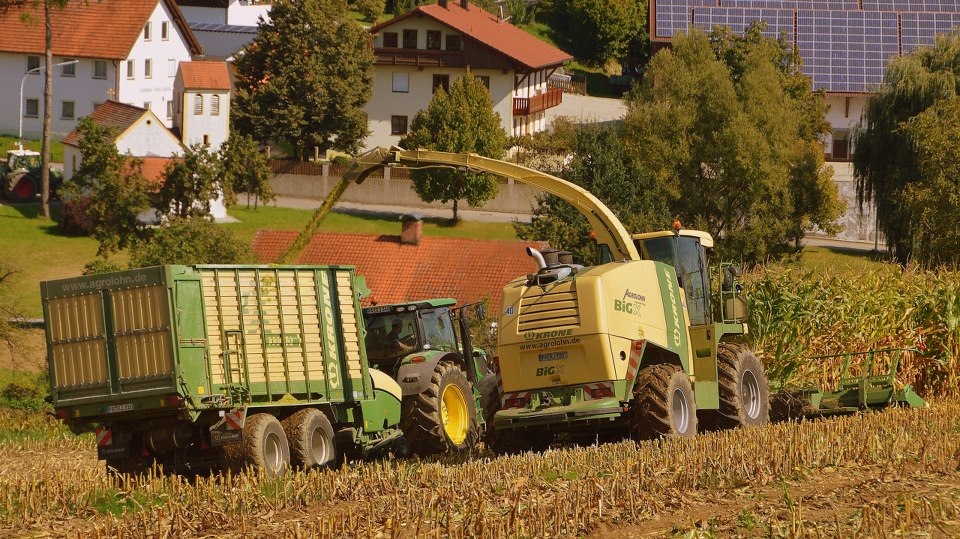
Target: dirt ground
28,355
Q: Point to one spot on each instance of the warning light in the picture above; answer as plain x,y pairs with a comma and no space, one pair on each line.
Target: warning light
677,225
593,235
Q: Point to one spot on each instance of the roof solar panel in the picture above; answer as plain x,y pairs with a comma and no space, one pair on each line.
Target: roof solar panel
675,16
793,4
919,29
846,51
739,19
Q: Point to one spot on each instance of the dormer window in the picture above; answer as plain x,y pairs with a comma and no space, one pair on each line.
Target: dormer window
409,39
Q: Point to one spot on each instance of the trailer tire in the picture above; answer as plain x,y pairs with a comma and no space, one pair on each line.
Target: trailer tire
263,447
744,394
663,403
442,418
311,440
129,466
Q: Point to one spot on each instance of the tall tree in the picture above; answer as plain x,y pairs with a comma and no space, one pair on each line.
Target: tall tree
886,161
245,168
190,241
191,181
596,31
461,121
305,78
726,127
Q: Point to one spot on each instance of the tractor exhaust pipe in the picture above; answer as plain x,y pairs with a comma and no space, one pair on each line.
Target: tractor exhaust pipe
535,254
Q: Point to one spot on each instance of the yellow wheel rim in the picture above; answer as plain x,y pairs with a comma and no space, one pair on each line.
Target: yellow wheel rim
453,413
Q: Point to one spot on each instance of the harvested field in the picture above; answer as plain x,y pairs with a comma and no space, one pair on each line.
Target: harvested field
872,475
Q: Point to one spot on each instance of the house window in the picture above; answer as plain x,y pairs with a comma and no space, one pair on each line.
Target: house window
100,69
164,30
146,32
390,40
433,40
68,70
401,82
206,140
33,62
841,145
169,110
131,69
485,80
215,105
398,125
409,39
442,81
31,108
197,105
453,42
148,68
66,110
171,67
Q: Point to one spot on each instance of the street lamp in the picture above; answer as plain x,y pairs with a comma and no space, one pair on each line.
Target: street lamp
37,69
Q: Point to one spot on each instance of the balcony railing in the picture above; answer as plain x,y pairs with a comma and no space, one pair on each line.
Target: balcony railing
418,57
523,106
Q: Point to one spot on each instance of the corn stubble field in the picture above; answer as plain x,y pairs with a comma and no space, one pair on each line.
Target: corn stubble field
876,474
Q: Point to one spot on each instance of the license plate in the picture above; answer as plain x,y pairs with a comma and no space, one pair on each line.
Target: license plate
553,356
116,408
224,437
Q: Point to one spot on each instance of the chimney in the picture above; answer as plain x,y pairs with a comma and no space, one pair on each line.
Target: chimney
411,231
464,3
442,3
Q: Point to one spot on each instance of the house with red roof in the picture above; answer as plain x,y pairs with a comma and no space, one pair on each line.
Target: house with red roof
125,50
410,266
431,45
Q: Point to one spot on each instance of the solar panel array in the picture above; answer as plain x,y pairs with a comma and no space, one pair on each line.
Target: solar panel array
845,44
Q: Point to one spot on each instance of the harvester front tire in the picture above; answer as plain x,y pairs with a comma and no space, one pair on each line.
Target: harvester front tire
443,418
263,447
22,188
311,439
744,394
663,404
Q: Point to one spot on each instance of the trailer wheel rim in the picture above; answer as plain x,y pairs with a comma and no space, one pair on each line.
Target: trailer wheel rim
321,447
750,394
681,412
272,454
453,413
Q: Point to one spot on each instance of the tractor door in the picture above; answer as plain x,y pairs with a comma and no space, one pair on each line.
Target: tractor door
688,258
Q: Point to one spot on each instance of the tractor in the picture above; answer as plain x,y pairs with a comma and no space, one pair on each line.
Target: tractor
21,176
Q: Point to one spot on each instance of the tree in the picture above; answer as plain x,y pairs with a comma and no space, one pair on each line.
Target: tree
191,181
597,31
461,121
599,163
305,78
887,160
190,241
115,185
727,128
245,168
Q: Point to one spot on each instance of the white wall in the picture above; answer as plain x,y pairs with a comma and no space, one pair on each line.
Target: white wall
146,138
247,12
156,90
204,14
195,127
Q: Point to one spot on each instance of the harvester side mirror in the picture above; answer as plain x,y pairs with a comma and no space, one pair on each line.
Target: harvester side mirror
730,276
480,312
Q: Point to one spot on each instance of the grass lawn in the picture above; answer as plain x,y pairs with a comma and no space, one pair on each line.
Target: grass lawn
9,142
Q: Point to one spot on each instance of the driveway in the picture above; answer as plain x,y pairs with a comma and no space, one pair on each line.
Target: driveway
588,109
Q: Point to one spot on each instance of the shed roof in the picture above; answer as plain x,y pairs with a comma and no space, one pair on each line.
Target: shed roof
205,75
115,114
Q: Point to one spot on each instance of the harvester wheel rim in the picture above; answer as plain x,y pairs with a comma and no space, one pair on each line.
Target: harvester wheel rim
681,412
453,414
750,390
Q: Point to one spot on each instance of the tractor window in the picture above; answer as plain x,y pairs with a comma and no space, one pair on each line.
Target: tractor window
659,250
30,161
438,329
694,279
386,333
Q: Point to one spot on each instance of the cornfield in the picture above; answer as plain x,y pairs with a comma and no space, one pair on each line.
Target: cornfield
871,475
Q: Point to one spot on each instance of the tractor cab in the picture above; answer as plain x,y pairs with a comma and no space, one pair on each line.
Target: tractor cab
686,251
399,330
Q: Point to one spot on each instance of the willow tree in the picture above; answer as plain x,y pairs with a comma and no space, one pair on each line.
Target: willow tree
886,162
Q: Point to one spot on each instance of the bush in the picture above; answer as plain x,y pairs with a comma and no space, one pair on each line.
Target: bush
100,265
194,241
75,219
23,397
371,9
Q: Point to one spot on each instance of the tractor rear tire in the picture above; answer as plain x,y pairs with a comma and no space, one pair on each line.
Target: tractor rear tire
443,418
311,440
663,404
22,188
263,447
744,394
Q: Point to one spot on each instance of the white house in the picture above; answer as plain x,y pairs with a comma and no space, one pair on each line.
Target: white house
142,134
232,12
125,50
431,45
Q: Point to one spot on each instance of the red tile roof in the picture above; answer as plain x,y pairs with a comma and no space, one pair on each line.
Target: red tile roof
465,269
105,29
152,169
487,28
205,75
115,114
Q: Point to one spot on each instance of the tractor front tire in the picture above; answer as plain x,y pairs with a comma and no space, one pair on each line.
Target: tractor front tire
443,418
311,439
22,188
744,394
663,404
263,447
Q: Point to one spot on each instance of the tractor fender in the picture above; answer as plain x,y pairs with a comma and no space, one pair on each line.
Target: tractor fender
414,376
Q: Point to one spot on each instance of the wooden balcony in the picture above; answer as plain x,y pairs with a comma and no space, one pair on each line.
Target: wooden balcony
418,57
522,106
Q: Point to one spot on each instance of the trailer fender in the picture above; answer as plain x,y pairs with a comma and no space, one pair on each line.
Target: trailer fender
383,412
415,374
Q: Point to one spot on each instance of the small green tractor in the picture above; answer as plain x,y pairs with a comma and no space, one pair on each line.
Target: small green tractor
426,347
21,176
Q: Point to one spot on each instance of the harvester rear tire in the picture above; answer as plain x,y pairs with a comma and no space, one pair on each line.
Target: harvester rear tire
263,447
663,404
311,440
22,188
744,394
443,418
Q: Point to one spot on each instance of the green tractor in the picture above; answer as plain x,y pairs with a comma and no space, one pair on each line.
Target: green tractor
426,347
21,176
